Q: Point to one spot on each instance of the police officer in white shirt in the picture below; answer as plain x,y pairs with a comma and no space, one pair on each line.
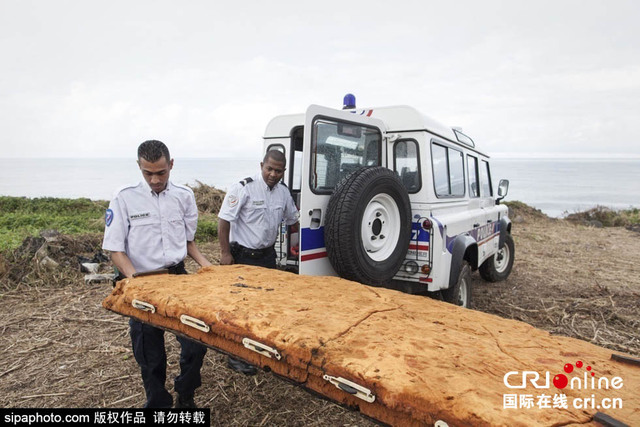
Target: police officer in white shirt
250,218
151,226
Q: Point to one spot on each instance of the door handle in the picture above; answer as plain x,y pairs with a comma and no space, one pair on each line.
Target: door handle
316,215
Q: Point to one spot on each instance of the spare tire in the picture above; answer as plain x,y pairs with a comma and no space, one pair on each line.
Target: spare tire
368,226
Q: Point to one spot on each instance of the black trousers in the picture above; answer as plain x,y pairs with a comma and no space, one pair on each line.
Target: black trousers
149,352
243,256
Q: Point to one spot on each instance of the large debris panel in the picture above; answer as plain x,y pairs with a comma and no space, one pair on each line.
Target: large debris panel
401,359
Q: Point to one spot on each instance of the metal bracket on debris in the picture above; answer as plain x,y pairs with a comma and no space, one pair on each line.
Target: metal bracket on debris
144,306
258,347
194,323
607,421
625,359
351,388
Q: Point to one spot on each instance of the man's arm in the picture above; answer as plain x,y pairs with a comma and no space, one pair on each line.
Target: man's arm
230,209
191,224
116,231
123,263
194,252
224,228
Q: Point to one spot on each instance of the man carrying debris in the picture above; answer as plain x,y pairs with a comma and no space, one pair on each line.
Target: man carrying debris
249,221
151,226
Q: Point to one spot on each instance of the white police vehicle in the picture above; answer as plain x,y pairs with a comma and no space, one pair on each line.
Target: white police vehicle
390,197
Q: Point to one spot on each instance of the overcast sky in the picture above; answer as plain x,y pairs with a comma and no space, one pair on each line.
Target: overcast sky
95,78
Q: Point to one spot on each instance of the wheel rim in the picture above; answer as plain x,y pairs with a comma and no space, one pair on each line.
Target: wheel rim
501,259
464,293
380,229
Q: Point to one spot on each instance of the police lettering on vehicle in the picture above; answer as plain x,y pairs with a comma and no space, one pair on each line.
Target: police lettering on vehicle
484,232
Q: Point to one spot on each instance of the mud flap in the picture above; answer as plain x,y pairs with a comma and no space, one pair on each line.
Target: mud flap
505,228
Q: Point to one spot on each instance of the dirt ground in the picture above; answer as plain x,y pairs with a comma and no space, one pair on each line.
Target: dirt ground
60,348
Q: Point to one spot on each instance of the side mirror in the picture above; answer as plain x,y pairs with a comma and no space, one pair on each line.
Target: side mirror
503,189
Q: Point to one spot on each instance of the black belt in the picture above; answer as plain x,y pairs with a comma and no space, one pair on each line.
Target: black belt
238,249
176,268
173,269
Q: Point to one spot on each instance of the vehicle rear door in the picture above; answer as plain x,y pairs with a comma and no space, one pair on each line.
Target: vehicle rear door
335,144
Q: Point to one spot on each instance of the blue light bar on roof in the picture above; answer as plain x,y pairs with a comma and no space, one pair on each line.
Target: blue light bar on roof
349,102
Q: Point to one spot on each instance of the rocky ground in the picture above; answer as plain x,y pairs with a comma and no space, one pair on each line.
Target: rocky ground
60,348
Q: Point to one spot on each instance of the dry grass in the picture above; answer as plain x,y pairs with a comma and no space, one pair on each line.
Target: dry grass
60,348
607,217
572,280
209,199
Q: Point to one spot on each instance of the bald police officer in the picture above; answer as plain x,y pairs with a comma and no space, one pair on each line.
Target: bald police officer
151,226
250,218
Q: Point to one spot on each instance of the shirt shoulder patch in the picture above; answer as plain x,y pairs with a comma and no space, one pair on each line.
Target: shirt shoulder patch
232,200
108,217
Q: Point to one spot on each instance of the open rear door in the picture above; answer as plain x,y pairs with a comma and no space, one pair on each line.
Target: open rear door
336,143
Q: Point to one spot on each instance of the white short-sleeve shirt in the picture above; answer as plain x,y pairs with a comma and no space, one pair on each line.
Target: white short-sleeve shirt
152,229
256,211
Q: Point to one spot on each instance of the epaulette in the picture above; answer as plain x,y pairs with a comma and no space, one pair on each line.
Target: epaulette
246,181
183,187
124,187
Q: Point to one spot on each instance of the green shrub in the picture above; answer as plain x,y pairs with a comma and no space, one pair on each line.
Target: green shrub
207,228
21,217
608,217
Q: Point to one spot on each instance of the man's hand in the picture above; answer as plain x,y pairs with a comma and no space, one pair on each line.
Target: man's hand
123,263
226,258
194,252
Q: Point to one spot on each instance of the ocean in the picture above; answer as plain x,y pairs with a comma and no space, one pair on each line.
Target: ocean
555,186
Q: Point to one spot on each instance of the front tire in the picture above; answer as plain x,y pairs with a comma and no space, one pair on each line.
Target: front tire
460,293
499,266
368,226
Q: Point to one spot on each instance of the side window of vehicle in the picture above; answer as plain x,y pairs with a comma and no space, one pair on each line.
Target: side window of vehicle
485,179
294,163
448,171
440,170
406,164
474,185
456,172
